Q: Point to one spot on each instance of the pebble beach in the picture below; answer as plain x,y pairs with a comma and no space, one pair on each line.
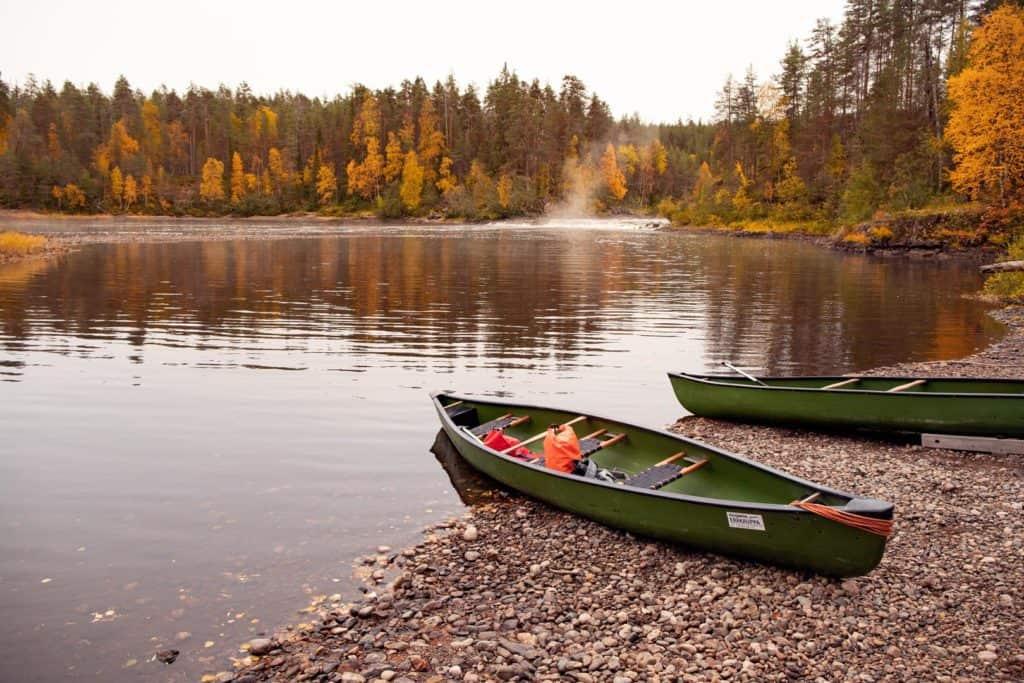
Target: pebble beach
515,590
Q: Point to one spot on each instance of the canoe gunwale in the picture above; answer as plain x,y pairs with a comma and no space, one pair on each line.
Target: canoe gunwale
681,497
719,381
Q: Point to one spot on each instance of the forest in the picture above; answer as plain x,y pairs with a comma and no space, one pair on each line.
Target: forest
903,105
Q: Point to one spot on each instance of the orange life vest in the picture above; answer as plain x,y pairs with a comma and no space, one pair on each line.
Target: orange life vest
500,441
561,449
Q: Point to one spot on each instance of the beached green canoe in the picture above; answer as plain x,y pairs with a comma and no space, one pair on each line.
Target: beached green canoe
677,489
978,407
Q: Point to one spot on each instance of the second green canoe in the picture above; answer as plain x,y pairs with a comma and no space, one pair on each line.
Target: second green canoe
979,407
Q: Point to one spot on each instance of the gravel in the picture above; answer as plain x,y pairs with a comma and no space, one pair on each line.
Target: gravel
518,591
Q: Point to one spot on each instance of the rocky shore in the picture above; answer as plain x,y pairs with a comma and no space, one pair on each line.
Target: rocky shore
518,591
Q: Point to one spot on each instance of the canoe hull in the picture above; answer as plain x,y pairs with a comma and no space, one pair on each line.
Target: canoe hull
977,414
789,537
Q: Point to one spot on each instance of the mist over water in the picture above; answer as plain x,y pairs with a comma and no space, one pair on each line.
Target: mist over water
200,434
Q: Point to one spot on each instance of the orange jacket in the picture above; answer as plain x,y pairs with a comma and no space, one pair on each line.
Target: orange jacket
561,449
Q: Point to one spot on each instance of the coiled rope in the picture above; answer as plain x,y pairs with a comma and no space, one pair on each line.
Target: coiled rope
872,525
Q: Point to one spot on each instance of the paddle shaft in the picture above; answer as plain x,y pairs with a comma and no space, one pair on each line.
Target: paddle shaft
542,434
736,369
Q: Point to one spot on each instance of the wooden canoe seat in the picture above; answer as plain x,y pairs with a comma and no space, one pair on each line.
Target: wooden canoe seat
664,473
503,422
908,385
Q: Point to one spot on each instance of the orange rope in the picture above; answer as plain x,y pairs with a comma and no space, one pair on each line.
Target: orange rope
872,525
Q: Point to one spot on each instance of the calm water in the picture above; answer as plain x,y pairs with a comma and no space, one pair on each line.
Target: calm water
199,436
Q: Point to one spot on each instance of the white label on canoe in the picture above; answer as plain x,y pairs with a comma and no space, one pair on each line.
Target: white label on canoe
743,520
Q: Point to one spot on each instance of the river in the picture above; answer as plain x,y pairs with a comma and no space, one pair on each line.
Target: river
201,436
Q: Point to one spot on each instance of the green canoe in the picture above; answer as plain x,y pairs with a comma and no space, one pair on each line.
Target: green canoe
977,407
676,489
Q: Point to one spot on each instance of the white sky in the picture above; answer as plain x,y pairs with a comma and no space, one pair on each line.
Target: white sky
663,60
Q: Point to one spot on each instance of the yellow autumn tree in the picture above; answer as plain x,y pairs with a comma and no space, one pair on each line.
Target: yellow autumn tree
611,174
741,201
116,186
237,178
211,185
74,198
446,182
277,175
660,157
630,159
364,177
395,160
504,189
705,183
431,143
120,143
986,124
326,184
146,186
480,185
152,130
411,190
131,192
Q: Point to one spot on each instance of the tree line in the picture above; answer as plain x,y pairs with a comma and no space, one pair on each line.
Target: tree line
879,111
871,113
412,150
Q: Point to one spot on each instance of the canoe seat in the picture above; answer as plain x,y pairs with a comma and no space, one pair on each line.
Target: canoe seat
588,446
499,423
662,474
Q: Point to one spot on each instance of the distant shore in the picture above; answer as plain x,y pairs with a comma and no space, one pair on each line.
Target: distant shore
69,231
516,590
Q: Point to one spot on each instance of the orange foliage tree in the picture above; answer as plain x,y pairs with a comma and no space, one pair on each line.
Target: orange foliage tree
211,186
611,174
986,125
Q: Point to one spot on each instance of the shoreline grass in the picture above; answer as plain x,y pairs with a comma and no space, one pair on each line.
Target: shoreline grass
18,244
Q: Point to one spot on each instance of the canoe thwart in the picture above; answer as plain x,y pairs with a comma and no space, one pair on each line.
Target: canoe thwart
845,382
809,499
908,385
612,441
672,458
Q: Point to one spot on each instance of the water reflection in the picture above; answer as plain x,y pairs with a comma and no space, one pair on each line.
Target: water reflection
473,487
503,298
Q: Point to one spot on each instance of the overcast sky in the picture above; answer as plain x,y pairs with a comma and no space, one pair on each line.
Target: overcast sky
663,60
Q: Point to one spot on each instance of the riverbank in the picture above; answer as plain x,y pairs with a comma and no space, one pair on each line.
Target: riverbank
518,591
962,230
